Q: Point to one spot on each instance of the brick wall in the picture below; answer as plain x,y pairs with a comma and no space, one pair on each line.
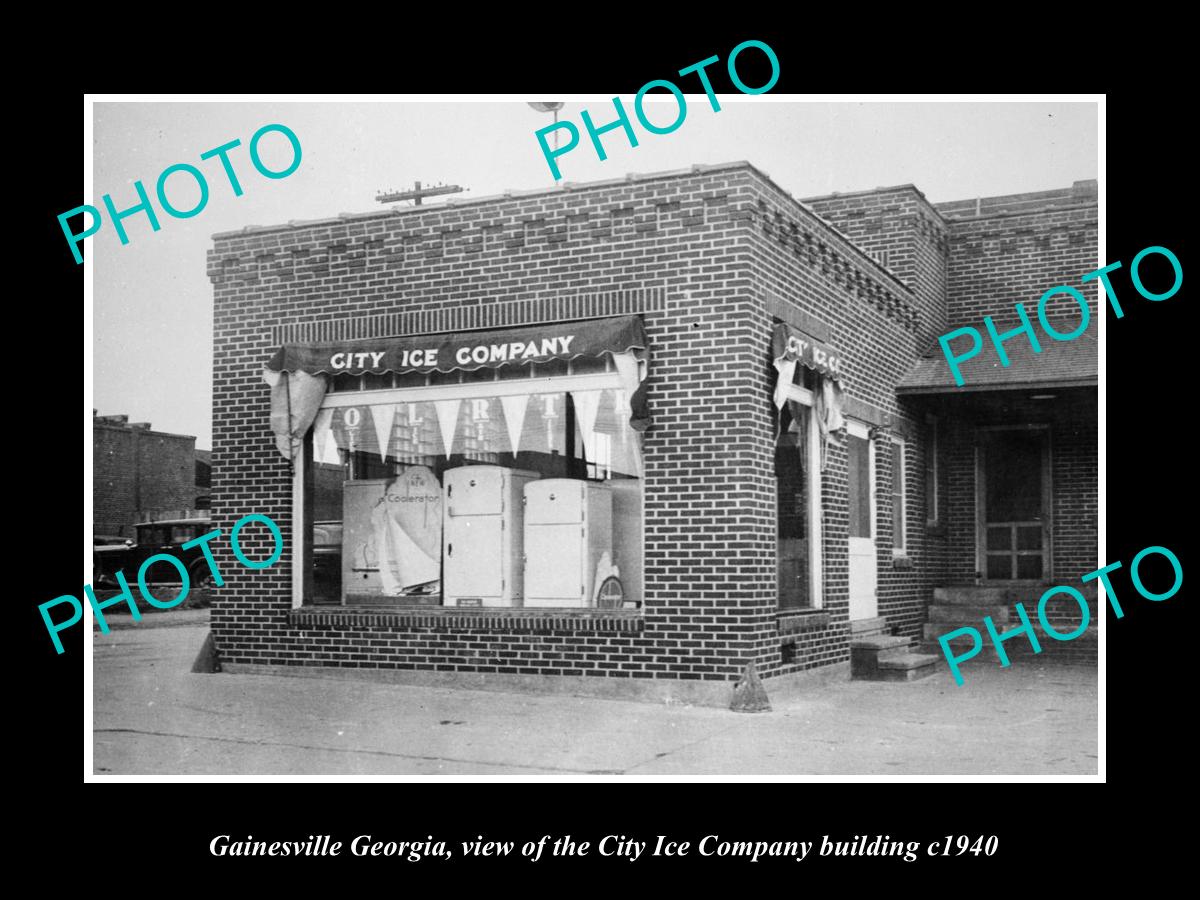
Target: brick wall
911,238
901,229
670,249
137,471
1005,250
879,324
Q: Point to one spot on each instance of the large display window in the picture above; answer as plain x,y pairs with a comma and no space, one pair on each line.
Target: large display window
516,486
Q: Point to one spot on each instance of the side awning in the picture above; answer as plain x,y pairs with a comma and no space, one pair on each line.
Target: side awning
1060,364
791,347
298,373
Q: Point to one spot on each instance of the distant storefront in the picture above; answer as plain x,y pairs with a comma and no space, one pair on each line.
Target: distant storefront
634,436
139,475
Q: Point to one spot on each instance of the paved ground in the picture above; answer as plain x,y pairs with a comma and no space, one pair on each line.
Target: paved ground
152,716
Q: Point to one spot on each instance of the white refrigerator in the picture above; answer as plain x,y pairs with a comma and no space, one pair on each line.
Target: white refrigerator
568,536
482,537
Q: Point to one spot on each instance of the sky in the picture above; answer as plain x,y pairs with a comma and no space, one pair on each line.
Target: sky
153,302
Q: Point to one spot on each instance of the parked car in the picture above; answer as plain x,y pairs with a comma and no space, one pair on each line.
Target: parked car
167,536
105,539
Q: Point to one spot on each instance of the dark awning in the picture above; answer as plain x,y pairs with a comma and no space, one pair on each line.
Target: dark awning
1060,364
467,350
789,344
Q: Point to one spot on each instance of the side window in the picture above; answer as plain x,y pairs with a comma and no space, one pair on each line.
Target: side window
931,473
792,509
899,496
859,484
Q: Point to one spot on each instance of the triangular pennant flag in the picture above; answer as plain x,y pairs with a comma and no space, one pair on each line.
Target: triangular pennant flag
787,372
514,418
322,432
333,454
447,413
587,404
383,416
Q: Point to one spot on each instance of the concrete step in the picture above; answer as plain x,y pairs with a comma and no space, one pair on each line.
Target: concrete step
977,595
879,642
988,654
1016,648
964,614
1003,595
931,631
869,654
989,657
1081,649
866,627
907,667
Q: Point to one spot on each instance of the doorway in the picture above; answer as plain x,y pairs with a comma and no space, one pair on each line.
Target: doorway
861,485
1013,504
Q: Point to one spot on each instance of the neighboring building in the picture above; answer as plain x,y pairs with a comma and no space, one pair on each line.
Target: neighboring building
203,499
138,474
733,380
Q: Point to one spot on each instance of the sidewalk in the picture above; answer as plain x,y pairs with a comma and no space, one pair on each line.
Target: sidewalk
152,716
157,619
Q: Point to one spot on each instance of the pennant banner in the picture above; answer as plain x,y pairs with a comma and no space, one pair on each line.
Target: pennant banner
383,417
514,418
322,432
587,404
447,413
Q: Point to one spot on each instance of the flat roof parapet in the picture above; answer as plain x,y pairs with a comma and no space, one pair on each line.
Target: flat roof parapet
1081,193
461,203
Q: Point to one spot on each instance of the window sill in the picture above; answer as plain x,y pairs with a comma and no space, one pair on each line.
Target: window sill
473,619
901,560
791,621
936,529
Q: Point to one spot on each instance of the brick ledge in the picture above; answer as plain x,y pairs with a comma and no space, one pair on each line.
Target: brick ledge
808,620
475,619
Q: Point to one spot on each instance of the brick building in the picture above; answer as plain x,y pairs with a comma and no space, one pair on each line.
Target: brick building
138,473
713,403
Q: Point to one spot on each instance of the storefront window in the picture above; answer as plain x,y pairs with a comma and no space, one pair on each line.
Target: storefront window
429,494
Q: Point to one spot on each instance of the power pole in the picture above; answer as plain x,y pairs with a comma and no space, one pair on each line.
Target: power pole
418,192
